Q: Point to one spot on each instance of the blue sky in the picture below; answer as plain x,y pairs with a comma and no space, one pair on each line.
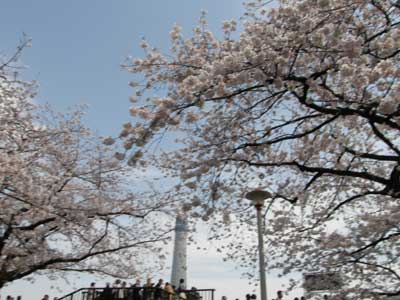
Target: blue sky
77,49
78,46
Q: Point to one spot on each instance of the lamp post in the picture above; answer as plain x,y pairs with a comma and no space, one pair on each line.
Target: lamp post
257,198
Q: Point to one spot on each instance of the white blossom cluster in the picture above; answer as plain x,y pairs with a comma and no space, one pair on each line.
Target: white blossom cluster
308,96
64,199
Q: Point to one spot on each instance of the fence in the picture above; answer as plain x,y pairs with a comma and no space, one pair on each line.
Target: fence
141,293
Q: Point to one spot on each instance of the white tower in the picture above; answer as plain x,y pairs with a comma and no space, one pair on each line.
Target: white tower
179,266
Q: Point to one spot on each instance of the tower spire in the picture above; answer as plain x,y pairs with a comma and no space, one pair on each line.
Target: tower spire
179,265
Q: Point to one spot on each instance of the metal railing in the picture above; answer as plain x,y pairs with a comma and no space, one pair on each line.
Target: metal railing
199,294
138,293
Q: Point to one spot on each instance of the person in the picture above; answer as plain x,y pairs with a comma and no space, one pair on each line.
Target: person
181,289
116,289
148,283
170,291
182,295
181,285
129,292
147,292
224,298
302,298
279,295
193,294
248,296
325,297
46,297
123,292
296,298
107,293
136,290
92,291
158,290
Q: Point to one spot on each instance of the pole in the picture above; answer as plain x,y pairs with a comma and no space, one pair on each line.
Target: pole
263,281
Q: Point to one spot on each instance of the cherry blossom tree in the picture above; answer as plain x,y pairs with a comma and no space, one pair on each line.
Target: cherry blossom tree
66,204
304,101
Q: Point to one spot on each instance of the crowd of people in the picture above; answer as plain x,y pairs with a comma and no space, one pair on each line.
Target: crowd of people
279,296
120,290
9,297
47,297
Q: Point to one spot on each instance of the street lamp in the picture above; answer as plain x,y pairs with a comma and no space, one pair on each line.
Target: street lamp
257,198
